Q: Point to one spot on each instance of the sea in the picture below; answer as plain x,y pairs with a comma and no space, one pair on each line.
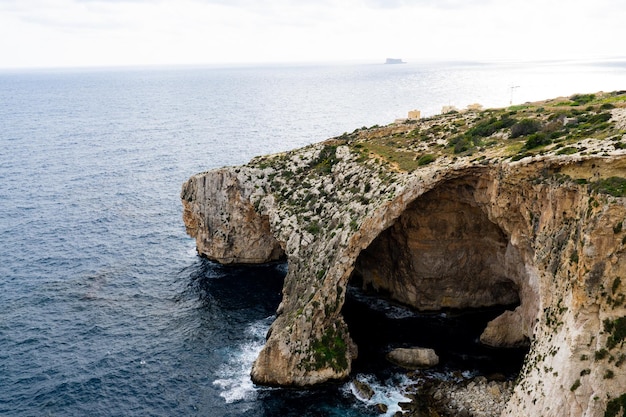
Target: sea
105,307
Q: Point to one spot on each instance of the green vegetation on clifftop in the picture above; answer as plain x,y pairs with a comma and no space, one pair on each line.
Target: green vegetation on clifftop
367,162
556,126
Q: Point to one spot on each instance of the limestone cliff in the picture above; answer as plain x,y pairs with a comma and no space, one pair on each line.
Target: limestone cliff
520,205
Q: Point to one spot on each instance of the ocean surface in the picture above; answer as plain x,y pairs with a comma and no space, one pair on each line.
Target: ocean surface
105,308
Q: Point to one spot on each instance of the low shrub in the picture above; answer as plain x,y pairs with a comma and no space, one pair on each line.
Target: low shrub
615,186
537,139
488,127
616,405
525,127
482,129
461,143
617,330
326,159
581,99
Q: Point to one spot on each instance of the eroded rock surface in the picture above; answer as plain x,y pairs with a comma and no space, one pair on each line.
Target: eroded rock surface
473,398
217,212
442,248
451,211
413,358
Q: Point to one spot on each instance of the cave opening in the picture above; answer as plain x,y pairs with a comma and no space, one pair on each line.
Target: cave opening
434,279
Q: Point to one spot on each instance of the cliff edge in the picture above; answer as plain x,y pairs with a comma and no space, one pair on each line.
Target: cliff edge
521,205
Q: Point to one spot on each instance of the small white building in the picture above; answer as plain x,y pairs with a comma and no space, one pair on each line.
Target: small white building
415,115
475,107
448,109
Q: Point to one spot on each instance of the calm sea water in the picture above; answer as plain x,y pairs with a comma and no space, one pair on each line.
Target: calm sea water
105,309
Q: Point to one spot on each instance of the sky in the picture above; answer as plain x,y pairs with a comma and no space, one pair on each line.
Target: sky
79,33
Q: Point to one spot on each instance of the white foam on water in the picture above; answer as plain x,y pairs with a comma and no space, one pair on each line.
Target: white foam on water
234,375
390,392
395,389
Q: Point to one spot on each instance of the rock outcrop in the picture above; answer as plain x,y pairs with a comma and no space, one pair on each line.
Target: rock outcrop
476,397
460,210
230,229
506,330
413,358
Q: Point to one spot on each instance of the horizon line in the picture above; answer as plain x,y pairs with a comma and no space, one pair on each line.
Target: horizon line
356,61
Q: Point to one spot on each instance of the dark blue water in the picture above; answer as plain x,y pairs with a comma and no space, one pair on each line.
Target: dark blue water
105,309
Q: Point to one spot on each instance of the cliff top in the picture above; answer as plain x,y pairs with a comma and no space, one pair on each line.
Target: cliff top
582,125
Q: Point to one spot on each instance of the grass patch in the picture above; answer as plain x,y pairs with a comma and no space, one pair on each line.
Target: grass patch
330,350
426,159
313,228
569,150
394,154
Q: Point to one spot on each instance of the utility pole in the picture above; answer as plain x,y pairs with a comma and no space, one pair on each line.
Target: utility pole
513,87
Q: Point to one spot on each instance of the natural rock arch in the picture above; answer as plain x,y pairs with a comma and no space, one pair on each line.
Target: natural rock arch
558,245
443,252
309,320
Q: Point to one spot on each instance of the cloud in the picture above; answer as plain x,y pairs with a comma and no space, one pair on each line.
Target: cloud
114,32
436,4
62,15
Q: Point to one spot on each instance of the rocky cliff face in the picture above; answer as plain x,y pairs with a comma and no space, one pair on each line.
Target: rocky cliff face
523,205
229,229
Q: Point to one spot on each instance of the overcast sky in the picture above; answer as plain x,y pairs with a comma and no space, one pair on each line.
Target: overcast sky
52,33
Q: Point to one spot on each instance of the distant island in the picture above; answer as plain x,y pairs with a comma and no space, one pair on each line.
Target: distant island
394,61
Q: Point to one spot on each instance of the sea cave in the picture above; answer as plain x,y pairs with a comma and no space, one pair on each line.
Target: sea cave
435,279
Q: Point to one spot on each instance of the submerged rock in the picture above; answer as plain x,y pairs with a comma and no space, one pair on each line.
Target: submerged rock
363,390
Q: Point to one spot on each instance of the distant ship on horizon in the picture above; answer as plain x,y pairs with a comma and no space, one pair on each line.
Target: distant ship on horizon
394,61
